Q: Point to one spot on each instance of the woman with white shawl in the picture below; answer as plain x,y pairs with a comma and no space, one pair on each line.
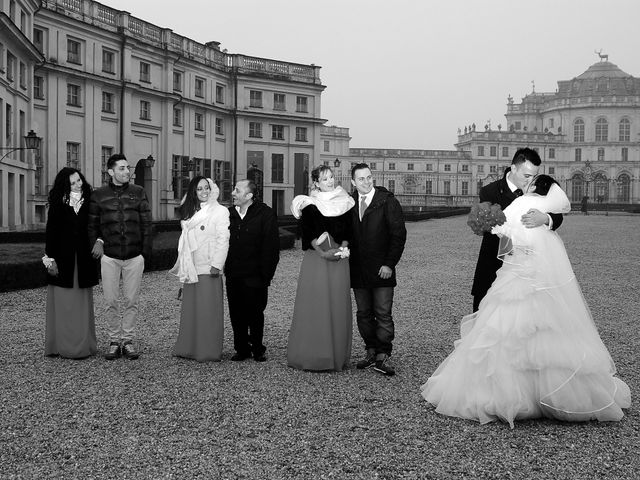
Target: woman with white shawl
202,251
320,335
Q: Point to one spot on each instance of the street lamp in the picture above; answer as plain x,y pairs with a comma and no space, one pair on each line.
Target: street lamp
31,141
336,163
149,161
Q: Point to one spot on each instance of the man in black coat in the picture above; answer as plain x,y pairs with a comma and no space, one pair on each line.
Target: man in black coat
524,167
254,252
378,238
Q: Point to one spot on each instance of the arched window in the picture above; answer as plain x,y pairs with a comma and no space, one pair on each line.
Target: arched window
578,130
602,130
577,187
623,184
624,130
601,187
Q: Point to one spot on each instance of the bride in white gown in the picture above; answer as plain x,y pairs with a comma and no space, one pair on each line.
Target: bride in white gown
532,349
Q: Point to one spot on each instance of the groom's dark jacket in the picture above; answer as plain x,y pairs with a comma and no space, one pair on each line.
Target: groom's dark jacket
488,262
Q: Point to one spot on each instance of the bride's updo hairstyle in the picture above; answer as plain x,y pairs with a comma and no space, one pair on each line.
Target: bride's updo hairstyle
543,184
319,171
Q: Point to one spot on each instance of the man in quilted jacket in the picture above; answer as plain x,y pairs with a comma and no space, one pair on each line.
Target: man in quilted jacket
121,233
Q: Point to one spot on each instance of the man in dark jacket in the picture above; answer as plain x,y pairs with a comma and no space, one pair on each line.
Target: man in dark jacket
254,253
516,179
120,232
378,238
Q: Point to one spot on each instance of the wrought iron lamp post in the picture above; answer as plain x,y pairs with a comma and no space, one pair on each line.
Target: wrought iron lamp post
31,141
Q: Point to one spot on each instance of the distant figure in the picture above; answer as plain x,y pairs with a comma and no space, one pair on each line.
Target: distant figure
71,270
120,231
202,250
585,205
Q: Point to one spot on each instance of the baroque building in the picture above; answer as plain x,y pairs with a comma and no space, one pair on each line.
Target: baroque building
99,81
587,133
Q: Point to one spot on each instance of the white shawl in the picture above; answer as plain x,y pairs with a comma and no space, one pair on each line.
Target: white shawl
331,204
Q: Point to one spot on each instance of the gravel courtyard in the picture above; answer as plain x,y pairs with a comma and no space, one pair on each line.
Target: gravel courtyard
163,417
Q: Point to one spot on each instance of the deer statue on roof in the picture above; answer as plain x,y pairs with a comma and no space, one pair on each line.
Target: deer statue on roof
603,58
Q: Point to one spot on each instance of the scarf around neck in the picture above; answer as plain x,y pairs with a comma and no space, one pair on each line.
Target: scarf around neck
330,204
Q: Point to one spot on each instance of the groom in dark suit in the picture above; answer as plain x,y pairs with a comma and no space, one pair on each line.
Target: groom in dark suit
524,167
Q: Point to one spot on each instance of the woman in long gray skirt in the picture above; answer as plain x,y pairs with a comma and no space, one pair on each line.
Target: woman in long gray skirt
202,251
71,270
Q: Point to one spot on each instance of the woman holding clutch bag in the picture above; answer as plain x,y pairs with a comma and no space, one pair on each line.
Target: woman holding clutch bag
320,335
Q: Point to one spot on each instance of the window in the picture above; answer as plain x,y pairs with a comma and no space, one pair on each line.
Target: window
108,61
107,102
624,130
73,155
105,154
177,81
177,117
279,101
73,51
23,22
493,169
625,154
73,95
301,134
301,104
145,110
219,93
505,151
518,126
180,176
255,98
255,129
409,166
145,72
428,187
480,168
219,126
38,39
277,168
578,154
392,185
447,167
392,166
465,168
551,122
602,130
222,174
22,76
199,121
11,66
372,166
199,87
277,132
552,170
447,187
493,151
479,185
465,188
552,152
38,87
12,10
8,124
326,145
601,154
578,130
429,167
480,150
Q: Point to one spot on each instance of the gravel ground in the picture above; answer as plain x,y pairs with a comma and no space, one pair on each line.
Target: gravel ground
163,417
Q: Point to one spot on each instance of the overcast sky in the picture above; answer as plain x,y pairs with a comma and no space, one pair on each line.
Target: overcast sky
408,73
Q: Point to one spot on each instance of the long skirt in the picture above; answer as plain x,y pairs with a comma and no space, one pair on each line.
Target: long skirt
201,320
320,335
70,323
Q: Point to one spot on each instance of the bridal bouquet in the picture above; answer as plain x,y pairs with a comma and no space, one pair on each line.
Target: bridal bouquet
484,216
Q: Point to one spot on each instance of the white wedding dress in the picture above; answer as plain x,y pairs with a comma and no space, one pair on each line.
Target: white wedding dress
532,349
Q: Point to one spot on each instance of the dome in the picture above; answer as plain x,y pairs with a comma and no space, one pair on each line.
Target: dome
603,69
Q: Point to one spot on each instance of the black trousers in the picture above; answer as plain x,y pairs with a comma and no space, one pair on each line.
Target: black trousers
246,309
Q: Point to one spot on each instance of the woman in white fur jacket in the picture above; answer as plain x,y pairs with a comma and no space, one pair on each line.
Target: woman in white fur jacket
202,251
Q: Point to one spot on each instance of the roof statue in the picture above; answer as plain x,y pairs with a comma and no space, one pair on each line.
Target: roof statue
603,58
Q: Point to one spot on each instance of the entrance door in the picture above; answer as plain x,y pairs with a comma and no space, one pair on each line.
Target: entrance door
277,201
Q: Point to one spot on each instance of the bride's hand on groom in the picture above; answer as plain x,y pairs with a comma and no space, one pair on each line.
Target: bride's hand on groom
534,218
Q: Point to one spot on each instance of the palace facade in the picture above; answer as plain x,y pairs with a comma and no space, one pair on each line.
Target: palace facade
91,81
